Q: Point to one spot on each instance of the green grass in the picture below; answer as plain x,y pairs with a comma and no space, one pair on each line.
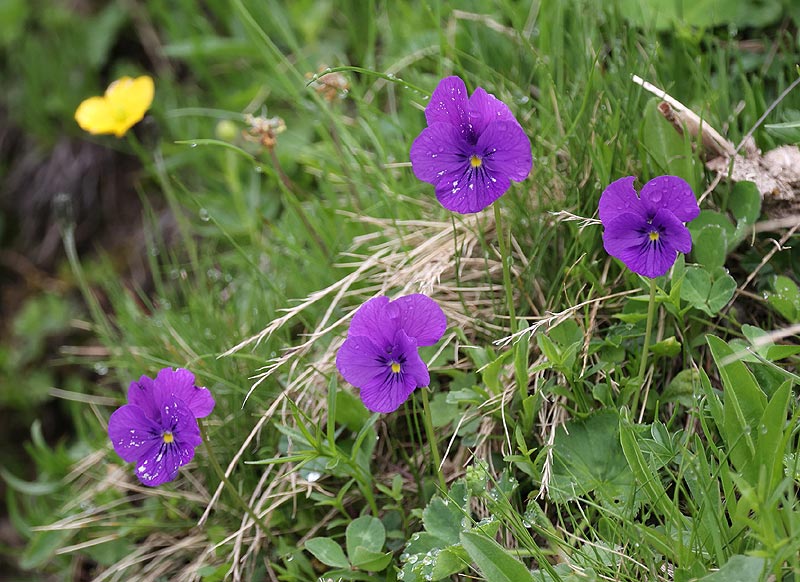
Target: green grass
546,465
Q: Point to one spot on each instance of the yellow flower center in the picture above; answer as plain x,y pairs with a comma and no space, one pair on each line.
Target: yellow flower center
168,438
475,161
395,367
653,235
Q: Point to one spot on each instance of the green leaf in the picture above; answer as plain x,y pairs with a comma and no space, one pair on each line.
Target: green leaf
669,347
328,552
491,372
666,146
710,246
743,403
435,564
587,457
350,412
367,532
771,438
449,561
785,298
745,202
442,518
788,131
42,547
722,290
682,387
33,488
566,333
708,218
368,560
738,569
494,562
707,292
647,479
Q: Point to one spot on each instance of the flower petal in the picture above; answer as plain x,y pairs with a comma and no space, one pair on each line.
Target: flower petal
129,99
361,362
386,392
96,116
505,150
627,237
449,103
180,382
420,317
439,153
142,393
159,464
672,193
372,320
132,432
485,108
673,232
473,191
179,419
620,197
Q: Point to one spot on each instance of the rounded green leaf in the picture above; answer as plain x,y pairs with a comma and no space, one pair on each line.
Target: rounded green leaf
366,532
710,246
328,552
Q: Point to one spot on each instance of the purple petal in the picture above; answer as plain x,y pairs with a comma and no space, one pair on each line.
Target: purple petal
449,103
627,237
672,193
473,191
131,432
620,197
385,392
439,153
180,382
672,231
420,317
505,150
360,361
484,108
179,419
160,461
143,394
372,320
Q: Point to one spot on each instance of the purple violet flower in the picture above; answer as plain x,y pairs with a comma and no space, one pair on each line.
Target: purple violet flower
647,231
380,355
472,148
158,427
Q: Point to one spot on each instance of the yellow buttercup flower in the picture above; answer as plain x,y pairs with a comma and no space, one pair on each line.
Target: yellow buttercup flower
123,106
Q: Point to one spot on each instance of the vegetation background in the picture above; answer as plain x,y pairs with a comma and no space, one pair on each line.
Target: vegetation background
188,237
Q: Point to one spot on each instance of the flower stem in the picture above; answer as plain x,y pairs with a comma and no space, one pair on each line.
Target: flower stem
651,309
428,422
505,257
221,474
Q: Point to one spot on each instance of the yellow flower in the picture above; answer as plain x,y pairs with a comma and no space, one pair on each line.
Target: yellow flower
123,106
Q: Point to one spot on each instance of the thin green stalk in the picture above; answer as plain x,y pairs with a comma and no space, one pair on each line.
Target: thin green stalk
520,347
294,203
505,257
68,237
428,422
221,474
651,310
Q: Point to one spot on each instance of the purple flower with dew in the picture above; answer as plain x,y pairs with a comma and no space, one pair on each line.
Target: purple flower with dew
380,355
158,427
647,231
472,148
